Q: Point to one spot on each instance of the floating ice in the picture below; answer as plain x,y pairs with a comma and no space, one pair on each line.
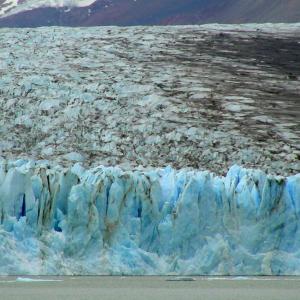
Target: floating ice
181,278
107,221
25,279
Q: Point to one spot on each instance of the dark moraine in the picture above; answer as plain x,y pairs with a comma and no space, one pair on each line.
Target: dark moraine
203,97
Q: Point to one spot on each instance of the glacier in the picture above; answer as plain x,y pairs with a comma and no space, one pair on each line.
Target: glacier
104,220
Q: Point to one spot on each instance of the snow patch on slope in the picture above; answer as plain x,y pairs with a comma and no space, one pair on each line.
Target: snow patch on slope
12,7
7,5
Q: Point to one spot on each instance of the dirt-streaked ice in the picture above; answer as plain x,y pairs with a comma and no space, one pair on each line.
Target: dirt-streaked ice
206,97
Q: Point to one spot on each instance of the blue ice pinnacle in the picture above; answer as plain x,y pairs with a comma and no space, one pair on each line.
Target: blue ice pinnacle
109,221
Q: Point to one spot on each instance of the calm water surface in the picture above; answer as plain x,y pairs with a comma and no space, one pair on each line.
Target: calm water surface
94,287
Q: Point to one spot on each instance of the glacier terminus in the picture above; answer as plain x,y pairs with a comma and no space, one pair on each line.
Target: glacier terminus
105,220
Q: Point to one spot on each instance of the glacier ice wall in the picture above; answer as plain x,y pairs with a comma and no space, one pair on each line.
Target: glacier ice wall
108,221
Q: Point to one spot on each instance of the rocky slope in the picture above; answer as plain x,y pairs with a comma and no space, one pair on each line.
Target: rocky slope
202,97
31,13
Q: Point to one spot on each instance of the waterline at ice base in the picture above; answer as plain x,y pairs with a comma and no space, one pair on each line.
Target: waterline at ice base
142,222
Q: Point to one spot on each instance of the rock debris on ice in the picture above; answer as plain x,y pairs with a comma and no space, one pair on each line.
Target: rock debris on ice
153,96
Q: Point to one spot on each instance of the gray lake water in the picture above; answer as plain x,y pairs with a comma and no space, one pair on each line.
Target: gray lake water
105,287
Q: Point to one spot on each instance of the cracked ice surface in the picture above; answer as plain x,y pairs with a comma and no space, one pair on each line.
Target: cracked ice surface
205,97
160,221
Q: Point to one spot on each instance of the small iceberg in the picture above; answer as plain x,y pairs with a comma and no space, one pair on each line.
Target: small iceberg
26,279
181,278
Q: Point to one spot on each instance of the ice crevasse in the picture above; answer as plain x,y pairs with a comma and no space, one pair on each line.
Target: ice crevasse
109,221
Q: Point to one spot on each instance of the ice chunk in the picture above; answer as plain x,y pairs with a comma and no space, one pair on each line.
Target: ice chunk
26,279
74,156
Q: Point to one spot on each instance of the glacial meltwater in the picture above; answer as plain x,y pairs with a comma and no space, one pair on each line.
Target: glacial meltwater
146,288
